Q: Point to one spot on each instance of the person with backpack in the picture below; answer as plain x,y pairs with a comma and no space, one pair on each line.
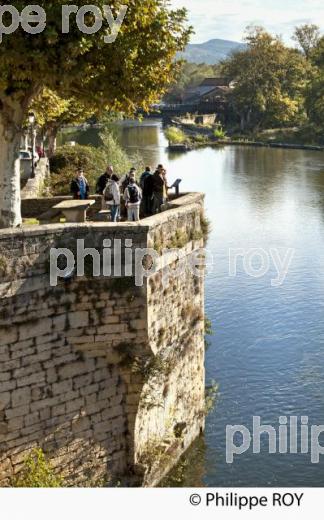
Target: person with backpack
146,184
133,198
112,197
123,183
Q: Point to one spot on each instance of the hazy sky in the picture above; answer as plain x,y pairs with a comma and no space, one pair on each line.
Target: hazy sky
227,19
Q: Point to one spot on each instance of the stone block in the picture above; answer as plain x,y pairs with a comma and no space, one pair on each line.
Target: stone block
8,335
20,397
4,400
82,381
18,412
76,369
73,406
30,380
78,320
35,330
80,425
63,387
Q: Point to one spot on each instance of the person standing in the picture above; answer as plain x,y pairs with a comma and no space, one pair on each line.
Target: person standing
146,184
133,198
125,180
112,197
79,186
123,183
159,189
102,184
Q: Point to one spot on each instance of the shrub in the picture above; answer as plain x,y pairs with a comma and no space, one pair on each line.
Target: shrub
175,135
219,132
205,226
4,268
68,159
201,139
211,396
37,473
93,161
208,332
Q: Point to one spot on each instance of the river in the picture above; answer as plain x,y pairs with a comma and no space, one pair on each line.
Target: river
267,350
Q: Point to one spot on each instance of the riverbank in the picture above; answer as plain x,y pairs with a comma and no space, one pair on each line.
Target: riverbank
200,136
295,146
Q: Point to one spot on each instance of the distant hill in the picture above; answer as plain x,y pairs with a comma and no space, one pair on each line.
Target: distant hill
211,52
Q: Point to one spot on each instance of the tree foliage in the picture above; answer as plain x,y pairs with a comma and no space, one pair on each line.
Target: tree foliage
307,37
270,79
133,72
53,112
315,90
94,161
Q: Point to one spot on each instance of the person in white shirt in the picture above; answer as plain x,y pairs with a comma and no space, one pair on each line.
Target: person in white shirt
133,199
112,197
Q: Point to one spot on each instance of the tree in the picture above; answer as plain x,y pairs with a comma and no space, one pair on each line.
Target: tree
307,37
132,72
53,112
315,90
269,81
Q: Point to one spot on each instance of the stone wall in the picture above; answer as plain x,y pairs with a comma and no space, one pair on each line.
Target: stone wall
32,187
35,207
106,377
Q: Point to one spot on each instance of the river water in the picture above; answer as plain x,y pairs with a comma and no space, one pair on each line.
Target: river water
267,350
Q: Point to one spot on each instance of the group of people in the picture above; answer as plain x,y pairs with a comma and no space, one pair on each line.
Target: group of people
125,197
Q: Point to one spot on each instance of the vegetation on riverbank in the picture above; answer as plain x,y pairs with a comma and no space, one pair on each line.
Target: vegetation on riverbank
37,472
306,136
277,91
94,161
279,87
176,136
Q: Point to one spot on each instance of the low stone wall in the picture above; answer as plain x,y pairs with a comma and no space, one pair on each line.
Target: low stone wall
34,207
106,377
32,188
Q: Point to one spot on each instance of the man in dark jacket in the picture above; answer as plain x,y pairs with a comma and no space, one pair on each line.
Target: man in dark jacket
103,180
146,184
159,189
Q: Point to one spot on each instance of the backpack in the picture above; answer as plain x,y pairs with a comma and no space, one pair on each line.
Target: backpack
133,194
108,194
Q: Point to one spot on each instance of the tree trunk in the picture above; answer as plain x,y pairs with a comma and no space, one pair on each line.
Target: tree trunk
52,137
242,125
26,141
10,136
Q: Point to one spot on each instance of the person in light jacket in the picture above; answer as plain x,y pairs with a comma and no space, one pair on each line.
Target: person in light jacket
112,197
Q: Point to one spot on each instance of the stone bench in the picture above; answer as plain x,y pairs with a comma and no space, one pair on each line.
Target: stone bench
74,211
102,216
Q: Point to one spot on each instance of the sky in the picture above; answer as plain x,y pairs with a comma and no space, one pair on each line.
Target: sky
227,19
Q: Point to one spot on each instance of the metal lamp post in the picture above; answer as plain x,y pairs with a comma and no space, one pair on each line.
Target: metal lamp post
32,119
